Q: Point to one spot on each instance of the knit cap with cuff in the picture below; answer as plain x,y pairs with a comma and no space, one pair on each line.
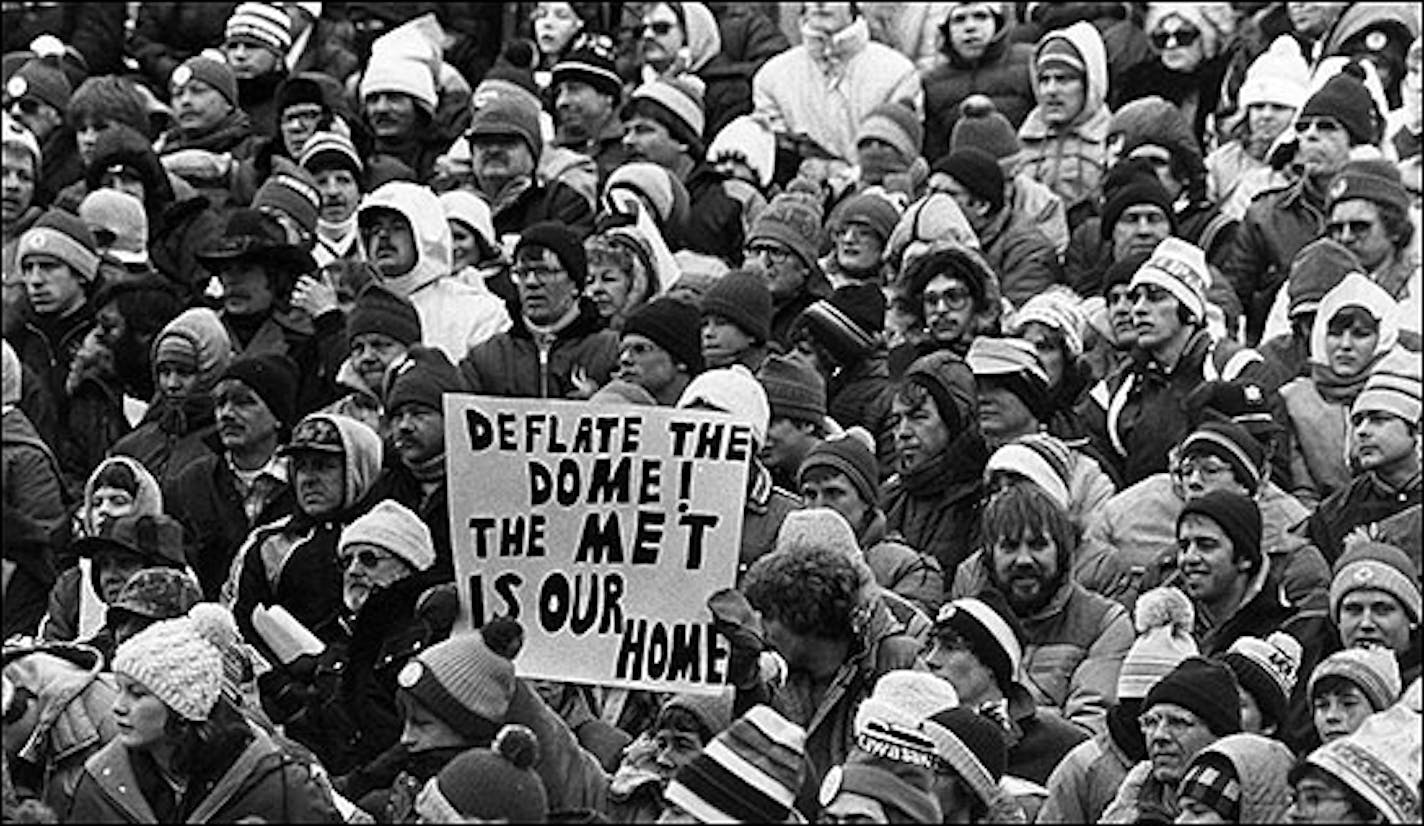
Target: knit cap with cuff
1377,181
274,378
1180,268
329,150
1139,190
672,325
989,627
871,210
64,237
1394,386
1203,687
1231,443
463,683
1374,670
1039,458
509,117
1267,669
378,310
750,773
563,243
180,661
850,323
897,125
794,390
1345,98
214,73
743,298
1238,516
265,24
1378,567
1380,761
851,454
1164,619
422,378
392,527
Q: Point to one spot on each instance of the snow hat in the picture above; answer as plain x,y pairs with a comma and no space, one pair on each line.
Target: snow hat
1236,514
973,746
405,74
872,210
462,682
850,454
214,73
291,192
905,698
509,117
986,623
903,789
1268,669
423,377
1205,688
393,527
1215,21
793,389
750,773
673,325
1380,567
274,378
679,107
1393,387
559,239
731,390
121,218
497,784
472,211
181,660
1345,99
1164,619
1142,189
40,80
849,323
1057,310
933,222
619,391
1380,762
812,529
263,23
1314,272
64,236
13,376
1374,670
1015,365
750,139
1231,443
743,298
655,185
895,124
324,150
1280,76
378,310
981,125
1180,268
590,62
1040,458
1155,121
794,220
1355,290
977,171
14,133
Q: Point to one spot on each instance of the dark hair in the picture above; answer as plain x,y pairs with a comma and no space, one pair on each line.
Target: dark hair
949,262
147,304
117,475
205,749
108,98
1023,507
1396,224
679,718
813,591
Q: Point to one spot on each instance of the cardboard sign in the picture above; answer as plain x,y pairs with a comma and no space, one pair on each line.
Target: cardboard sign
602,530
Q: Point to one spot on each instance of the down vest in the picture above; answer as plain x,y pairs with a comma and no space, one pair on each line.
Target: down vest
1001,73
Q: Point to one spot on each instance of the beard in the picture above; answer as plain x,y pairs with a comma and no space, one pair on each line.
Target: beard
1027,589
354,595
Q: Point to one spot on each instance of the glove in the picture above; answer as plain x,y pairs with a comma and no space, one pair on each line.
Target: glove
197,164
734,618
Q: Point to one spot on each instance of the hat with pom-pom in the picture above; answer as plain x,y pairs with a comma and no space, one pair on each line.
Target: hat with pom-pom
497,784
181,660
982,125
1164,618
1268,669
749,773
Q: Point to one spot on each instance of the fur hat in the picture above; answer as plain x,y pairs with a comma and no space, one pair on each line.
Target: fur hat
181,660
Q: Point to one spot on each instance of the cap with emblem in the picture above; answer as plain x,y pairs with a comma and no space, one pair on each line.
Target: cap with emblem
314,435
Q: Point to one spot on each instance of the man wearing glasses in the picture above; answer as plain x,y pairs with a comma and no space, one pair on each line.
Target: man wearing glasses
1369,215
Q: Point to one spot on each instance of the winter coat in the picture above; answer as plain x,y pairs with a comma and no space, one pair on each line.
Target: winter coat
33,484
1089,486
94,421
1262,765
453,316
1072,161
1022,257
912,29
1032,205
1366,500
937,511
1321,438
515,363
165,448
765,509
1142,798
47,346
261,783
1199,89
316,346
397,483
75,698
544,201
167,34
902,569
714,223
29,573
826,98
1001,73
749,39
1276,225
1085,781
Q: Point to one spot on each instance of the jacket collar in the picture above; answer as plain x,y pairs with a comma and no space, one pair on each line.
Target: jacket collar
585,324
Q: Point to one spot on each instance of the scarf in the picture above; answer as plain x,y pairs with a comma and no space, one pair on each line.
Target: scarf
179,417
225,136
962,460
1338,389
339,235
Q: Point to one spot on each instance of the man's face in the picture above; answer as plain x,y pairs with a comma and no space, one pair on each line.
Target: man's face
1154,315
199,107
786,274
646,364
546,290
392,115
367,568
114,569
1120,301
37,116
500,157
1174,736
1370,616
952,660
645,139
417,433
17,188
1139,229
723,341
827,18
787,443
662,36
297,123
1382,439
1266,121
1312,19
53,287
1061,94
1324,145
1356,225
674,748
247,291
1002,415
1316,800
1026,569
371,354
319,481
920,433
249,59
244,421
949,309
424,731
858,248
1339,712
971,28
581,109
837,493
340,194
390,242
1205,557
1199,473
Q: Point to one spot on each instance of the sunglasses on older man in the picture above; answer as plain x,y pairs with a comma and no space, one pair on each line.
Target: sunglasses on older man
1178,37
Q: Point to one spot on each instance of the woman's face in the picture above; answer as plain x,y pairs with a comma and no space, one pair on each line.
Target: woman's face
1179,44
1350,343
555,25
608,288
1268,120
108,504
140,716
462,244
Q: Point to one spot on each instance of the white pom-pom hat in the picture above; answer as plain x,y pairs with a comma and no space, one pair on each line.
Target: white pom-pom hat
181,660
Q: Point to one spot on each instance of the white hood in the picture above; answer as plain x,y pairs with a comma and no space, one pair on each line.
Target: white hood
423,210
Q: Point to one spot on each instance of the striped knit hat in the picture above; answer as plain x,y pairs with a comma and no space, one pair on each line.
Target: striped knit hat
983,622
1040,458
973,746
325,150
64,236
463,683
1374,670
749,773
261,23
1180,268
1058,310
902,788
1393,387
1164,618
849,323
1231,443
1268,669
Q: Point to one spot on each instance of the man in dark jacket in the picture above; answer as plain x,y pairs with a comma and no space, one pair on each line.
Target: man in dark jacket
982,59
557,347
587,91
60,262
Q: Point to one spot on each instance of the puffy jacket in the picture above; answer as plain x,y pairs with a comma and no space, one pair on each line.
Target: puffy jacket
453,316
1001,73
514,363
1022,257
1262,765
1276,225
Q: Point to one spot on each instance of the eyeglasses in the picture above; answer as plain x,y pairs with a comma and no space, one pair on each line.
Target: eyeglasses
1180,37
955,298
542,275
773,253
366,558
1356,229
659,28
1175,723
1321,124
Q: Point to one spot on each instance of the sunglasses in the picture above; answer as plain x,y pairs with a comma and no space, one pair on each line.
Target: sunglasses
1180,37
1356,229
366,558
659,28
1320,124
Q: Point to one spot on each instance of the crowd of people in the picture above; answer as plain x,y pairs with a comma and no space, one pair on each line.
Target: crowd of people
1079,343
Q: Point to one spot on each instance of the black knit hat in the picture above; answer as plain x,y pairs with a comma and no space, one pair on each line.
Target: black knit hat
743,298
1345,98
423,377
976,171
849,323
590,62
302,88
1120,273
1203,687
672,325
849,456
1236,514
378,310
1142,189
563,243
273,377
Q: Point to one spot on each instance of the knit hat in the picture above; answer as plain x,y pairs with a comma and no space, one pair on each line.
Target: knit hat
903,698
1056,48
794,220
262,23
511,74
1268,669
378,310
214,73
181,660
850,454
672,325
849,323
1040,458
156,594
307,88
462,682
817,529
981,125
1120,273
732,390
989,627
1377,181
393,527
13,375
1180,268
122,222
973,746
1315,271
1155,121
274,378
293,193
1212,780
794,389
896,124
620,391
42,81
1393,387
1380,567
1141,190
1380,762
1236,514
1055,309
14,133
751,140
655,185
589,62
976,171
1014,364
712,711
64,236
470,210
929,224
743,298
871,210
563,242
509,117
405,74
1203,687
423,377
1164,620
493,785
1280,76
679,102
750,773
903,789
1374,670
1231,443
325,150
1345,99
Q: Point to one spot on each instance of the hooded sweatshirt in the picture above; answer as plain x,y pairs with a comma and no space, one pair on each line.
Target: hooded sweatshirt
454,316
1262,765
1071,160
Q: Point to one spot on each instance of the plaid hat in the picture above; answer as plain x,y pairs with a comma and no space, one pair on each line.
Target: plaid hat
293,193
274,378
42,81
1393,387
1057,310
903,789
1211,780
793,220
793,389
156,594
1315,271
1374,670
981,125
1380,762
497,784
750,773
1231,443
1203,687
423,377
403,74
181,660
849,323
64,236
1040,458
895,124
988,625
1237,515
672,325
1180,268
1014,364
263,23
850,454
378,310
743,298
1345,99
1164,619
590,62
1377,181
1268,669
976,171
156,538
214,73
395,528
1380,567
871,210
509,116
462,682
563,243
119,219
325,150
678,104
973,746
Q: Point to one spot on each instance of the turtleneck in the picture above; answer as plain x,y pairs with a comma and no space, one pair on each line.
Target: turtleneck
337,233
550,331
